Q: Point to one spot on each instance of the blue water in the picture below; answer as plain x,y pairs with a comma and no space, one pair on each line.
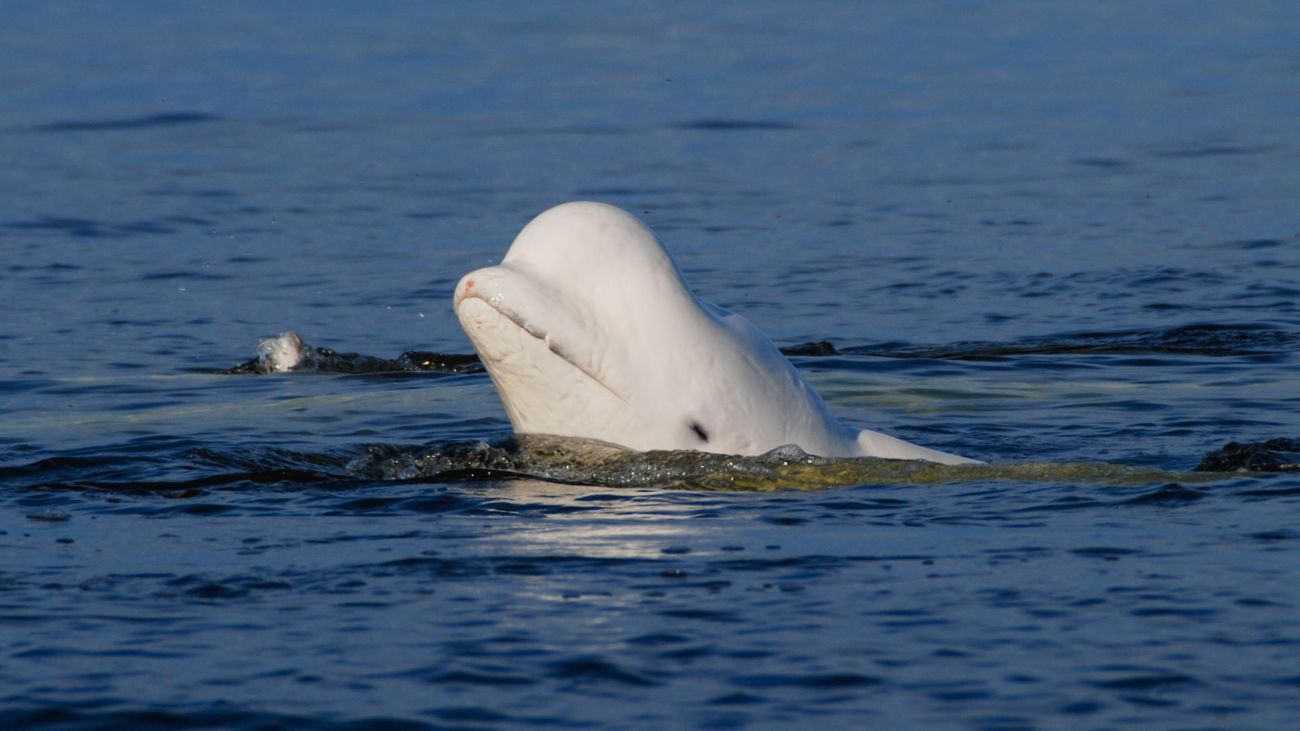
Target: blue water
1037,233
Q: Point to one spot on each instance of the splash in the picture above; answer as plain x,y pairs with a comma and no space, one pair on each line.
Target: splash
289,352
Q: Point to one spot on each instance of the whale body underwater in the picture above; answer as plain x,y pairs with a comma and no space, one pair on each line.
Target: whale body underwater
587,329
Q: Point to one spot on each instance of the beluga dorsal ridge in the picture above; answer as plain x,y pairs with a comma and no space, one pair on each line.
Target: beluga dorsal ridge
587,329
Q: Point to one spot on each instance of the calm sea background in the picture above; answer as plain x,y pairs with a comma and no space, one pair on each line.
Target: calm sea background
1045,232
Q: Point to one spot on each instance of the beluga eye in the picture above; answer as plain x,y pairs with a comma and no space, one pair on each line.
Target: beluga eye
699,432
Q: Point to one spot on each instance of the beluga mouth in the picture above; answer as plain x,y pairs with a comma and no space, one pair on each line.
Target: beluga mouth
487,303
588,330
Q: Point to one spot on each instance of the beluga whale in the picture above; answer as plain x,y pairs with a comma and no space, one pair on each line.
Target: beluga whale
587,329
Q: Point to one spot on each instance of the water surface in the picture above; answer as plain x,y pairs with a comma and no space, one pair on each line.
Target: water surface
1033,233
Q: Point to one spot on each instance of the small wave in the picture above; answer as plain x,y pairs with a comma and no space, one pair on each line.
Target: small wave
1217,340
1213,340
148,121
88,715
734,125
89,228
1274,455
288,352
562,460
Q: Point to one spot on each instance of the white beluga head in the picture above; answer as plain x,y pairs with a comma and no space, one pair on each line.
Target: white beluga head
587,329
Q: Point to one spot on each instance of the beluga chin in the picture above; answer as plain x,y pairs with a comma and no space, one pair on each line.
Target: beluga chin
587,329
